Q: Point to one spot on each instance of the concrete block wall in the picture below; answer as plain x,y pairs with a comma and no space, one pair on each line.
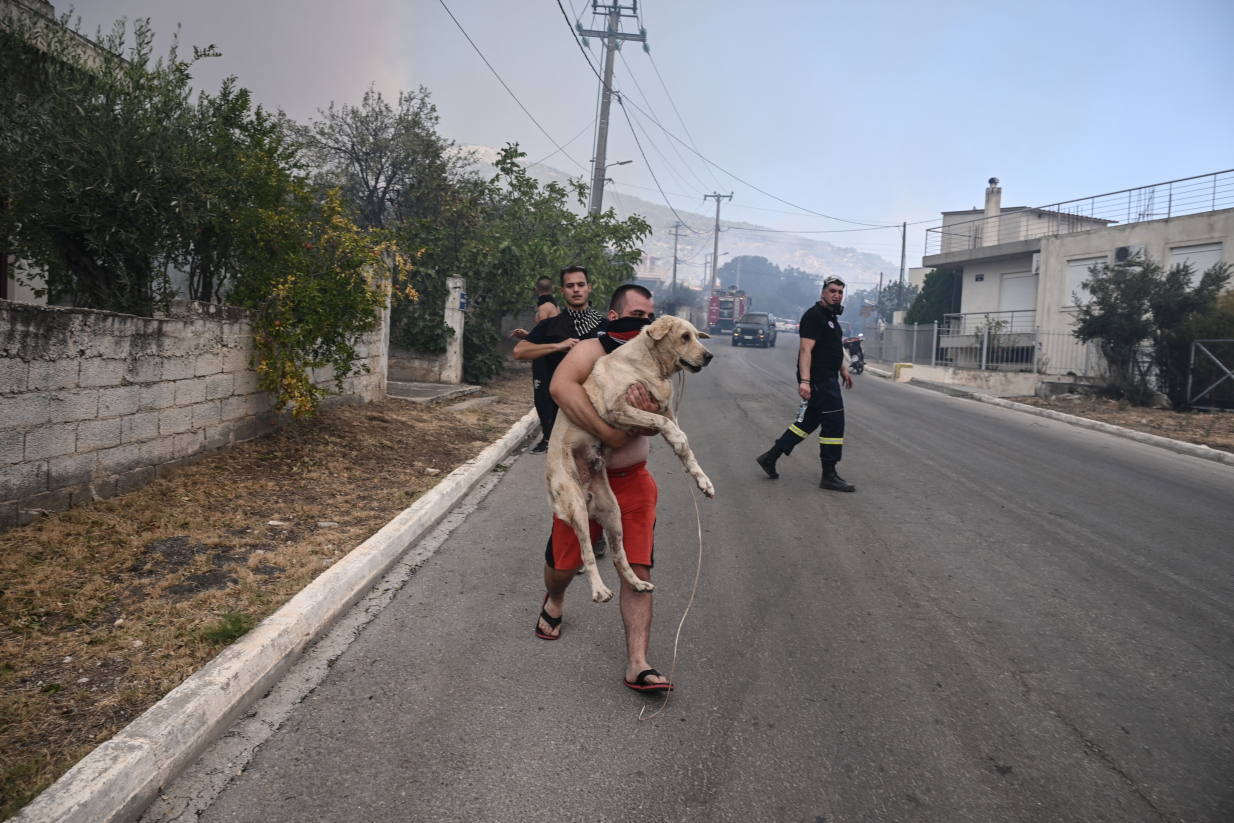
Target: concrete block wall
95,404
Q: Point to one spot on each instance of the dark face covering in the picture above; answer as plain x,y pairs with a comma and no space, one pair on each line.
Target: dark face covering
622,330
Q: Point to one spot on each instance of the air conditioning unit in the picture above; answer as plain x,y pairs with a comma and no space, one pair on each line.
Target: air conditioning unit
1124,254
1037,263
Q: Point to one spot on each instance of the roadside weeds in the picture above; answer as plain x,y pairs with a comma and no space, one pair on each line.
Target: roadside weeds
1212,429
106,608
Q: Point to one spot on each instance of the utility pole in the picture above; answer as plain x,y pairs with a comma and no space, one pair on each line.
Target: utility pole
878,297
903,248
676,236
611,35
715,254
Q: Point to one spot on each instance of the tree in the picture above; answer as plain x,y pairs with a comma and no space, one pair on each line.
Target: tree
94,171
114,177
1139,303
670,298
934,301
530,231
501,235
784,292
1216,324
1175,308
389,162
891,301
314,283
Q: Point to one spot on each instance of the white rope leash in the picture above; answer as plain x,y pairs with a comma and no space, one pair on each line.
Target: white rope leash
697,572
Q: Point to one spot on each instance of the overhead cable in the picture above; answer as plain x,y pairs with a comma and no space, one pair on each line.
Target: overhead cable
568,142
649,168
594,71
684,128
647,100
507,88
824,231
668,163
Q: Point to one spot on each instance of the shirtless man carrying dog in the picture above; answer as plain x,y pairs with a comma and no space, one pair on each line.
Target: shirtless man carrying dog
631,309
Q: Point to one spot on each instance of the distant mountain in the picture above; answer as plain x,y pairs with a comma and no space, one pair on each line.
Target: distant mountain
819,257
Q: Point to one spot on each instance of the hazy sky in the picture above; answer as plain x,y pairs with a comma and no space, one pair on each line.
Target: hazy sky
878,111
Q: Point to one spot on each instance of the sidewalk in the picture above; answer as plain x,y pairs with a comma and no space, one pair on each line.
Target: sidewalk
425,393
1000,399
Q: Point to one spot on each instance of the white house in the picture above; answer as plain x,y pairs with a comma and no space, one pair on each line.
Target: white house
1024,266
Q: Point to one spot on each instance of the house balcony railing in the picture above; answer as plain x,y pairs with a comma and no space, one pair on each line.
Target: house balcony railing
1190,195
1008,322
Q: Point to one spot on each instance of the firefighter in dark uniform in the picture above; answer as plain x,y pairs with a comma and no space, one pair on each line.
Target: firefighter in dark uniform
820,371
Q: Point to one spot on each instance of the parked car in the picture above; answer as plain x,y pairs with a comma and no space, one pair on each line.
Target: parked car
755,329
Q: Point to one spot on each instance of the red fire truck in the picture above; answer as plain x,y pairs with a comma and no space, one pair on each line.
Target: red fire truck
726,308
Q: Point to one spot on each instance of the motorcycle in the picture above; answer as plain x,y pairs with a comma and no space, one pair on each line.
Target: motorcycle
857,358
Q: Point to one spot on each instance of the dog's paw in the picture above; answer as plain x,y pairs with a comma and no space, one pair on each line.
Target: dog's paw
704,485
601,594
643,586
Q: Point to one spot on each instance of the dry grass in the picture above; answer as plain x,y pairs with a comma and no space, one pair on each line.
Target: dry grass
106,608
1212,429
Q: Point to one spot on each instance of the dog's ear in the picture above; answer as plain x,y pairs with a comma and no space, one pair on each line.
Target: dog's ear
702,335
657,330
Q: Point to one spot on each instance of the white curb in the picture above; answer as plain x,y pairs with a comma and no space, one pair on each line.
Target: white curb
119,779
1203,452
879,372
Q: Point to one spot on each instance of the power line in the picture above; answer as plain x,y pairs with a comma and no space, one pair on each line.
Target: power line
507,88
676,112
622,104
700,154
824,231
568,142
648,102
668,163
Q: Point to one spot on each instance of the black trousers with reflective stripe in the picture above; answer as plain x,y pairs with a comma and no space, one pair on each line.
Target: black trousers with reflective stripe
824,411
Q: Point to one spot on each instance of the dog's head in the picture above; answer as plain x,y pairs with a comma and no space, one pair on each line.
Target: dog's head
677,345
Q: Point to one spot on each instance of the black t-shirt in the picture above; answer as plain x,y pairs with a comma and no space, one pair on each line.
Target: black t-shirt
820,325
551,330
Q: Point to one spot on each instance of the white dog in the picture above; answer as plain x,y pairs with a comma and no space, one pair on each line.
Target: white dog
578,485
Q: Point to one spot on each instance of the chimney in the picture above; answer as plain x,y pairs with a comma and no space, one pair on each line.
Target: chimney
993,199
989,233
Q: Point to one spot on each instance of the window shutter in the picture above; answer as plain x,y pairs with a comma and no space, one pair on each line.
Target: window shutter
1202,258
1077,273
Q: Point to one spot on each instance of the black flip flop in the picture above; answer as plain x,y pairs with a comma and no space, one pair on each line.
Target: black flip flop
640,683
553,622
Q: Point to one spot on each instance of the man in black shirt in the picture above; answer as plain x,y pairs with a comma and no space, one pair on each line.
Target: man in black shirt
820,371
546,409
546,344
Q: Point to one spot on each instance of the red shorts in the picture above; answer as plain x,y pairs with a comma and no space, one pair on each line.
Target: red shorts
636,494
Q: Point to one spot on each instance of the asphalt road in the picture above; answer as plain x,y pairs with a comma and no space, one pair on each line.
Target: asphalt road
1011,620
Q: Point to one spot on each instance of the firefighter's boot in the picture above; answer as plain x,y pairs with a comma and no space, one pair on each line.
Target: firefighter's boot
768,461
834,482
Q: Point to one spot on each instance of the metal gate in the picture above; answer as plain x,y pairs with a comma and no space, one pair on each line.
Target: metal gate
1212,372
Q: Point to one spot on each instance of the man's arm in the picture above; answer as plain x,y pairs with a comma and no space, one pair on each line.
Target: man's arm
567,390
805,355
545,311
534,351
